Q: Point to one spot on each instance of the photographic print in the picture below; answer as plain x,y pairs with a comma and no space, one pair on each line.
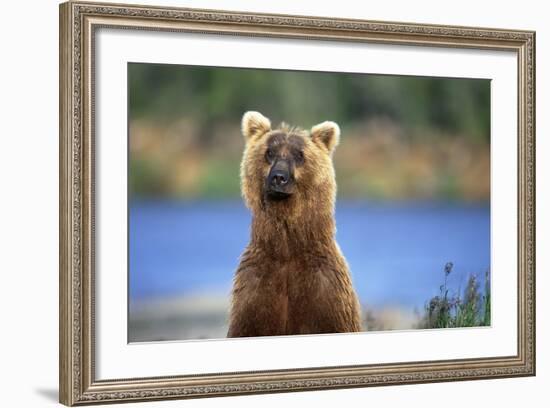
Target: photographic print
268,202
259,203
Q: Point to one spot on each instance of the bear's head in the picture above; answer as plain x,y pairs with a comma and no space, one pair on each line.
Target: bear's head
288,170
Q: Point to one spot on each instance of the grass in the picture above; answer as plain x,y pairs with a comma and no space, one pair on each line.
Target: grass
471,308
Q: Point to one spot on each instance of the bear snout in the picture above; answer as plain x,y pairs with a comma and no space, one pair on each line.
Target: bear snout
279,180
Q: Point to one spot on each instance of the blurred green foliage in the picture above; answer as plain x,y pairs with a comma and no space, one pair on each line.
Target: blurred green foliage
403,136
212,94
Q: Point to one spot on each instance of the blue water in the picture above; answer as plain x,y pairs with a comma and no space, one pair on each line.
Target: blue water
396,252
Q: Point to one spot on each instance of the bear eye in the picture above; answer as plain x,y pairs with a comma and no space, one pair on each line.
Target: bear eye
269,154
299,157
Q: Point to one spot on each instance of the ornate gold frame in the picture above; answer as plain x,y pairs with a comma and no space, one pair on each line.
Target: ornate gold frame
78,22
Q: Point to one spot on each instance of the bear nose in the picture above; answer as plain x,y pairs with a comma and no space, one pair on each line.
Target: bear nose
279,178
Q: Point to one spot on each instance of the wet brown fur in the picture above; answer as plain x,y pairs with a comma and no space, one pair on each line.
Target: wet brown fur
292,278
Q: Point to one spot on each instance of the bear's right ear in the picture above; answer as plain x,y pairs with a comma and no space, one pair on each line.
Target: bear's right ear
254,124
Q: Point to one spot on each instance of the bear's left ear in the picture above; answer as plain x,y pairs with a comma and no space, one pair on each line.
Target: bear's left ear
328,133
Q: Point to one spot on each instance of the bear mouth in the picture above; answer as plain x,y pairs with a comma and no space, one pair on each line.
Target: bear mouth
277,195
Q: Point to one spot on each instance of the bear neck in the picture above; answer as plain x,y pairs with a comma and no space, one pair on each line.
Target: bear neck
284,234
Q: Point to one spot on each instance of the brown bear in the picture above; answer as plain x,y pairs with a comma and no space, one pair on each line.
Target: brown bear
292,277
